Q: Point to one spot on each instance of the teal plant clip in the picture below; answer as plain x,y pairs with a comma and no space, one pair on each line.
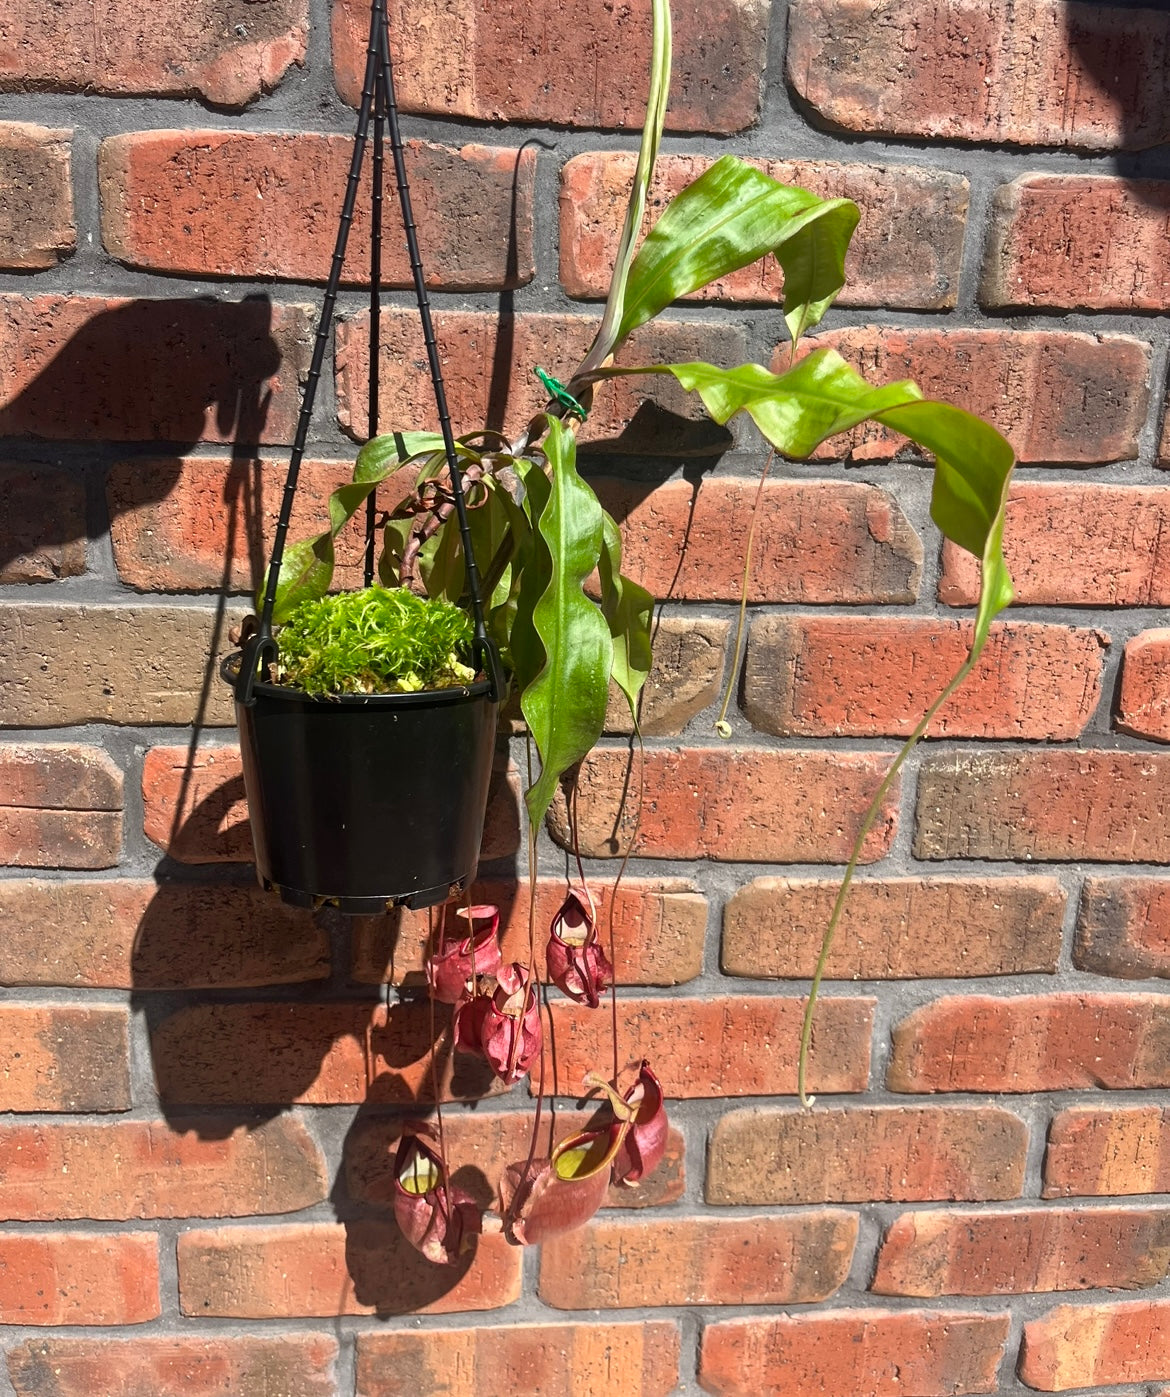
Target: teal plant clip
557,390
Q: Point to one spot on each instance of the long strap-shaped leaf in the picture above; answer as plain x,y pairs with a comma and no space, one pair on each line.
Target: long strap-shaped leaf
629,609
729,218
821,397
565,704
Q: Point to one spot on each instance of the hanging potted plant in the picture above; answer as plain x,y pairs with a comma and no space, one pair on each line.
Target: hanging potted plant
345,790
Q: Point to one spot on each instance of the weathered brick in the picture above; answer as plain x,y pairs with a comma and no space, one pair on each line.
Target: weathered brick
816,541
38,543
719,1047
210,1055
1050,74
585,63
1019,1253
228,54
619,1263
60,806
212,825
1075,545
904,254
556,1360
1089,242
56,1278
873,676
487,368
265,204
1085,1345
129,933
1045,804
112,664
685,675
480,1145
1123,928
1143,701
325,1268
1105,1150
658,926
142,1169
743,804
862,1154
36,196
174,371
894,928
164,1365
1056,395
882,1353
1033,1042
64,1057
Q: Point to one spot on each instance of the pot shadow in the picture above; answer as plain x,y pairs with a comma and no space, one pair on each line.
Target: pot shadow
157,375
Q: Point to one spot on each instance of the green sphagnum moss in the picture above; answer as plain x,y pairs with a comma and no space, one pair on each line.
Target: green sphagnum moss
376,641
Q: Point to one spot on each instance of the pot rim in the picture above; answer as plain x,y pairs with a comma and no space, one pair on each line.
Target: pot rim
229,670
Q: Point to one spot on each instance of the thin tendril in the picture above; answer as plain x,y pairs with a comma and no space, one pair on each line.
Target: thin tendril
435,1067
721,726
867,824
614,895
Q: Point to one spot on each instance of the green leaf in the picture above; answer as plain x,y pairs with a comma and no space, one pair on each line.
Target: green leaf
729,218
564,706
608,334
534,562
628,609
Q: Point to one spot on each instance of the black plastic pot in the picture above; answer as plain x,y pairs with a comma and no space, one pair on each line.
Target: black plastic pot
363,802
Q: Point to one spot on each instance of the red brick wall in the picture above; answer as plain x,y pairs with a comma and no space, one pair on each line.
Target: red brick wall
200,1085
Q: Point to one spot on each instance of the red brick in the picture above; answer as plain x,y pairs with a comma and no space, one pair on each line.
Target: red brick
181,48
1090,242
127,933
894,928
584,64
213,825
1082,1345
619,1263
658,925
265,204
1033,1042
64,1057
881,1353
78,1278
487,368
199,524
299,1365
1050,804
143,370
686,670
1019,1253
1123,928
325,1268
113,664
60,806
555,1360
816,541
36,544
1076,545
862,1154
1057,396
481,1144
1143,703
1047,73
904,254
746,804
36,196
147,1169
718,1047
211,1055
1100,1150
873,676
